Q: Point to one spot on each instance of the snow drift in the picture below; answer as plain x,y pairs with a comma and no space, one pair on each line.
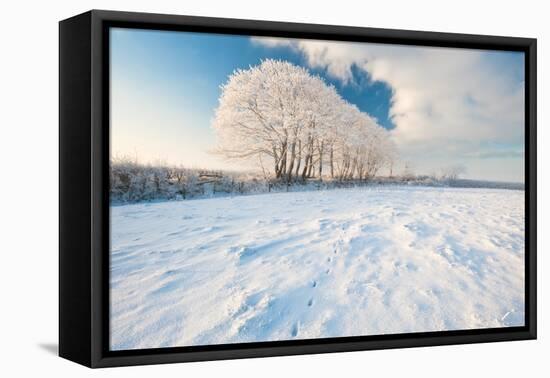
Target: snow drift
302,265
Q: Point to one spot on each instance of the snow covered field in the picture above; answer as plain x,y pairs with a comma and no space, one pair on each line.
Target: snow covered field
316,264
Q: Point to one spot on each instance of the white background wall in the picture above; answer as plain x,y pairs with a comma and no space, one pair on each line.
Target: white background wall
29,174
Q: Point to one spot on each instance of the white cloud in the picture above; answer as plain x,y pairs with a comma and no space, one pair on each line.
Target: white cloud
273,42
446,103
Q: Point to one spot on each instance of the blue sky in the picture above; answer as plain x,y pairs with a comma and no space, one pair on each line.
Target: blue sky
165,88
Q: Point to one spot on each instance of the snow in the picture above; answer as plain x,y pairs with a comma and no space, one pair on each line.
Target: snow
345,262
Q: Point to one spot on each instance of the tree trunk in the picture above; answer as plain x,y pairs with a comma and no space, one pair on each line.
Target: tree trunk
291,162
299,158
282,163
310,170
308,160
331,161
352,168
306,166
276,160
321,161
345,167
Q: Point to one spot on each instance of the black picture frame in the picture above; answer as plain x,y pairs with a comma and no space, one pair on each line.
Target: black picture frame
84,183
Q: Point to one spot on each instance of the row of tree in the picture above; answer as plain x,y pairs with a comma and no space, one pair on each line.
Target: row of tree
132,181
278,114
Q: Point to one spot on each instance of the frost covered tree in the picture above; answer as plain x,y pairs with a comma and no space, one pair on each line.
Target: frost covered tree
408,171
453,172
279,112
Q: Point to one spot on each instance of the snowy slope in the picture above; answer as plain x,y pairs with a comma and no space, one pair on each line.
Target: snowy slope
316,264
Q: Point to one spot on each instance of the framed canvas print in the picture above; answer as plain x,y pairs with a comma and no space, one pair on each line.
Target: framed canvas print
234,188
